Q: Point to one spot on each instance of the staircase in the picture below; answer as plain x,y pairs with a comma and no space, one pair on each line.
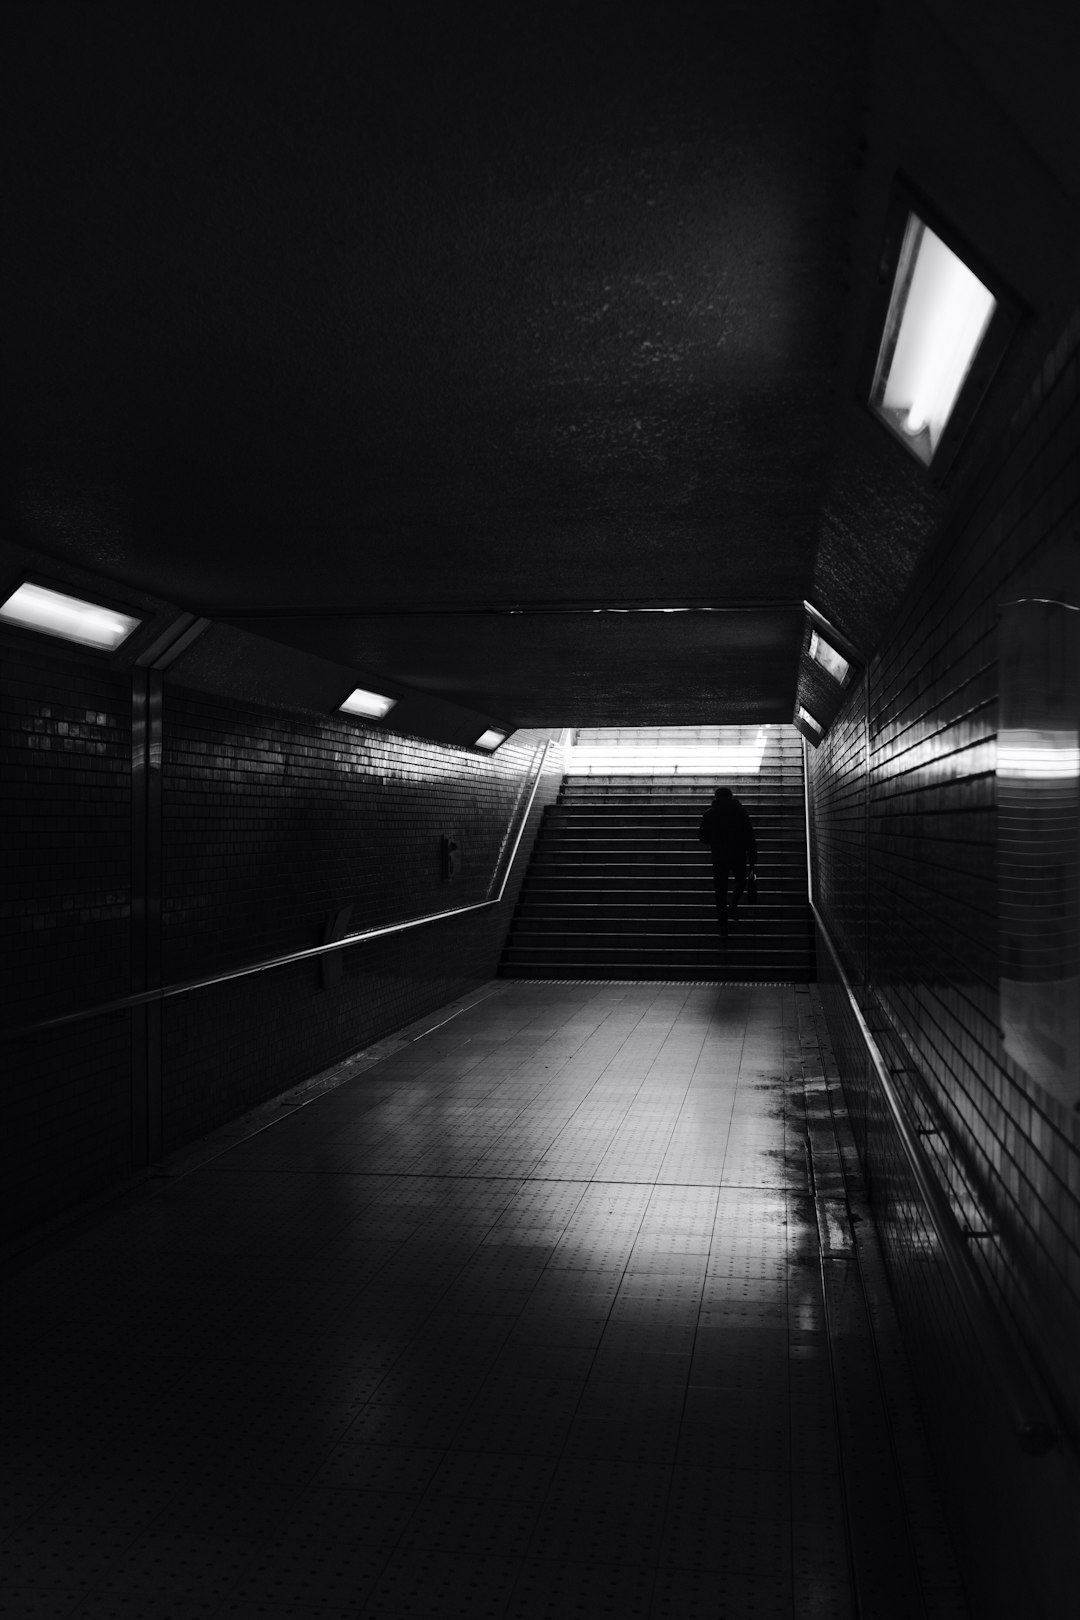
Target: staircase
618,886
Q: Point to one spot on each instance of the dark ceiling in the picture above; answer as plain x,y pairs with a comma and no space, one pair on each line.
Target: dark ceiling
326,318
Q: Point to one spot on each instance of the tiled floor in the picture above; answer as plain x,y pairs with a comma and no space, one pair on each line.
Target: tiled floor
555,1311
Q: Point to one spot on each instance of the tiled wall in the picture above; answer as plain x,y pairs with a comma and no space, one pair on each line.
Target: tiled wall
903,806
65,890
271,824
268,824
65,858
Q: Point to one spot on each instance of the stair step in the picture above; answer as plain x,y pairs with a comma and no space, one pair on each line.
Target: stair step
694,918
648,889
715,968
732,953
776,943
651,876
659,815
618,885
778,850
658,870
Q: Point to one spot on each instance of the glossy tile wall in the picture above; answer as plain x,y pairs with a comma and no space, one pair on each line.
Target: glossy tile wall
65,872
269,824
65,747
903,795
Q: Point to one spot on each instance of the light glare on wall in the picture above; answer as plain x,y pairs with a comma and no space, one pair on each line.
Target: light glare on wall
490,740
828,657
35,607
372,705
938,316
1039,755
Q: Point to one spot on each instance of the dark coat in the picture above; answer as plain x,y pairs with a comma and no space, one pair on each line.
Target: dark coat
726,828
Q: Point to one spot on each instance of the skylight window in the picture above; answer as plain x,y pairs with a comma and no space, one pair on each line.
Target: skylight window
828,658
53,613
938,316
372,705
808,720
490,740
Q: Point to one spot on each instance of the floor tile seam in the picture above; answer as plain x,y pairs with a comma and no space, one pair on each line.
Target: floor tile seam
668,1497
598,1080
681,1102
638,1018
734,1094
93,1590
483,1233
535,1053
596,1348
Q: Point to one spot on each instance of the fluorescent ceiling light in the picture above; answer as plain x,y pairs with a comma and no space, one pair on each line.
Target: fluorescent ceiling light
828,657
372,705
938,316
34,607
490,739
808,720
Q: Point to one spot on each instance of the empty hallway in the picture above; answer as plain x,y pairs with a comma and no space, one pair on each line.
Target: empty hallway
557,1304
450,449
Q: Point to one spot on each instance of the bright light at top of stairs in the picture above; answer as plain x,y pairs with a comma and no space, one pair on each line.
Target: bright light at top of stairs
664,757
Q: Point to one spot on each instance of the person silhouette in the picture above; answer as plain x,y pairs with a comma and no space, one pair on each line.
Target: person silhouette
729,833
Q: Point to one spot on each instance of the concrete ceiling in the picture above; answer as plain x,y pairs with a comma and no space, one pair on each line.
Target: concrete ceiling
333,322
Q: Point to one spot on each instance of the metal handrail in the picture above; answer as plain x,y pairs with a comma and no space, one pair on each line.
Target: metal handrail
168,991
1036,1432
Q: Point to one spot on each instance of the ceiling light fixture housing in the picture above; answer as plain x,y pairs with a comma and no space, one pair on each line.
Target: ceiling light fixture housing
490,740
834,663
942,322
71,618
811,729
371,705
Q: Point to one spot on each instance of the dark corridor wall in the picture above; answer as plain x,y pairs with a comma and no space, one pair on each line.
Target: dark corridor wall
903,797
269,823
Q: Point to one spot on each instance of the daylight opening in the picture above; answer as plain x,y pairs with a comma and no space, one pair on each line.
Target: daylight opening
668,750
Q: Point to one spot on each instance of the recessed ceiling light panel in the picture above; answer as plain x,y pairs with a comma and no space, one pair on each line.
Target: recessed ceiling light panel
808,720
938,316
828,658
490,740
54,613
372,705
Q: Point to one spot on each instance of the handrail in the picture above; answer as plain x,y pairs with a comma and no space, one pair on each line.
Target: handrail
166,992
1036,1432
521,828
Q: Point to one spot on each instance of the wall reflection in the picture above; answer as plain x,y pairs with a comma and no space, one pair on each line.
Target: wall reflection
1038,778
